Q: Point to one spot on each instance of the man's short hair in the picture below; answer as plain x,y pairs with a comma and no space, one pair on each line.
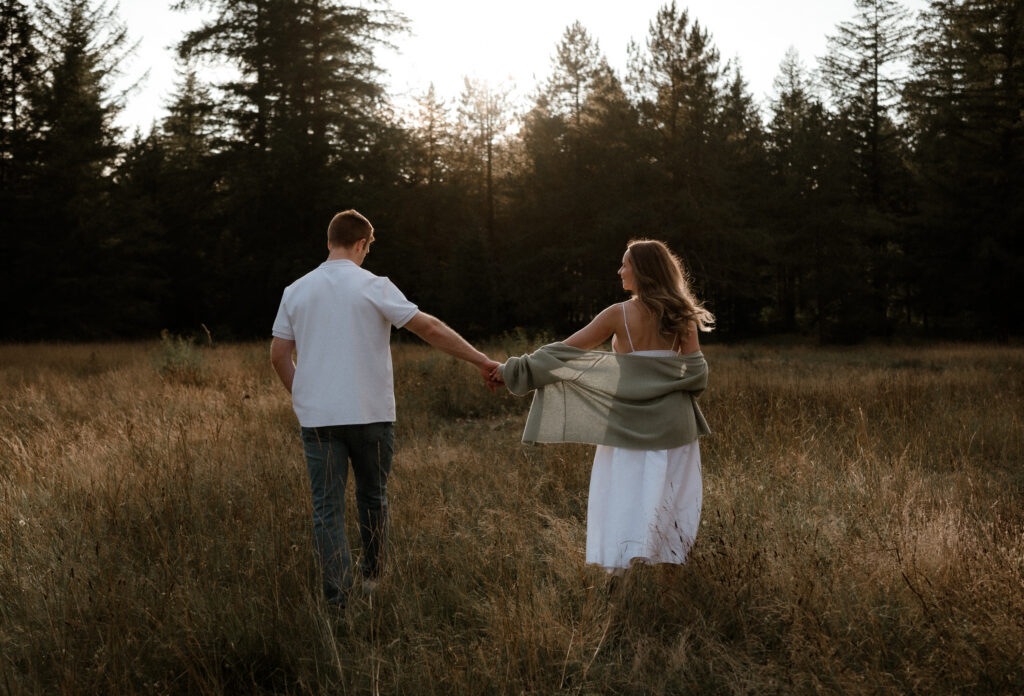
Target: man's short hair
347,228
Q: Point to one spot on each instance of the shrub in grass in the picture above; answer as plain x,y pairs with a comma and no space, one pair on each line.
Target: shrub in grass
180,361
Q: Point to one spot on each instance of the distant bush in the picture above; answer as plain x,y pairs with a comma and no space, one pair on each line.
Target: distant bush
180,360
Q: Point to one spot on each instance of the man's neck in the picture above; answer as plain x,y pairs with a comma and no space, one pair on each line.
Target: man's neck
343,254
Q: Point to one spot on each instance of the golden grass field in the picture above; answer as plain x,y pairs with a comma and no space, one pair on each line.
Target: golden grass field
862,533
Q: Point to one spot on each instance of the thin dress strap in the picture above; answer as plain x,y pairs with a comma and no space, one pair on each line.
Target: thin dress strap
626,324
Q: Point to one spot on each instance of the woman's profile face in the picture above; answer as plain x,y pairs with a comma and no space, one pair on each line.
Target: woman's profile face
626,273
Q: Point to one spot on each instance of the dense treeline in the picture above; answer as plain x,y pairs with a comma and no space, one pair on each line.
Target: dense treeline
877,194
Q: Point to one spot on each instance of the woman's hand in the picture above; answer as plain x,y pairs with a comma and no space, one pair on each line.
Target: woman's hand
489,371
494,378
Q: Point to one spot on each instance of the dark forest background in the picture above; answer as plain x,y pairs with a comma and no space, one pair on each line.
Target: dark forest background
876,194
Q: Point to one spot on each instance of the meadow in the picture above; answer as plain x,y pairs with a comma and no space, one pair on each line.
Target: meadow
862,533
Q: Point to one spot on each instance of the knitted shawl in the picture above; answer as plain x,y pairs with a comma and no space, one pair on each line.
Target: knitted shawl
617,399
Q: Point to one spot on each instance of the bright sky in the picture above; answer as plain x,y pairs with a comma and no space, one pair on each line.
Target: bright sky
501,41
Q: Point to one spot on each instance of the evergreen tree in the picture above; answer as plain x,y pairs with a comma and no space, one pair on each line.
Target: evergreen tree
191,125
302,118
18,60
577,64
793,154
430,215
18,57
863,68
614,174
965,103
573,189
814,249
433,135
677,85
75,238
741,284
484,113
565,177
190,160
542,192
143,279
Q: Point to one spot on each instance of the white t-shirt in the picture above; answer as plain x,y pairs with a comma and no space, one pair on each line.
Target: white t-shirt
340,317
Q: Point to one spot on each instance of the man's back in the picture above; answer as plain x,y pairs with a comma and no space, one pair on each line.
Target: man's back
340,317
338,320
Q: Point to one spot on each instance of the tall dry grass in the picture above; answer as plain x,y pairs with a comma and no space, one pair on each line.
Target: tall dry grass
862,533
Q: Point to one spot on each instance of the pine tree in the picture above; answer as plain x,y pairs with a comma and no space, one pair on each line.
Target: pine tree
143,283
678,89
18,57
741,285
676,83
965,103
576,65
791,154
431,215
301,121
307,67
484,113
191,124
863,68
573,191
18,61
433,137
185,162
815,249
74,104
567,175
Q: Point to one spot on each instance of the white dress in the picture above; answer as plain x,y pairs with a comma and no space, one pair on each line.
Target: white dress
643,504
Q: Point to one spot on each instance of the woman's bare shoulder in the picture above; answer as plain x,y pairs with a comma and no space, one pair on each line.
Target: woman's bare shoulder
600,329
611,312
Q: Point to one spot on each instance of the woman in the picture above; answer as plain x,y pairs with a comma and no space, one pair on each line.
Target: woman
636,404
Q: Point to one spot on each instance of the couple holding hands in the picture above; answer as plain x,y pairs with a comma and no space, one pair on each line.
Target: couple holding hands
637,403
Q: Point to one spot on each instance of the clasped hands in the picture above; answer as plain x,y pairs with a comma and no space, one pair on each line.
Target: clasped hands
491,375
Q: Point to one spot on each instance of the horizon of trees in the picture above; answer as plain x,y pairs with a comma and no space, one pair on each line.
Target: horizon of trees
877,194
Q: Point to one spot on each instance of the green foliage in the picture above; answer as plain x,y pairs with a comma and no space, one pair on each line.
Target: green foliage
19,56
964,102
892,206
863,71
180,360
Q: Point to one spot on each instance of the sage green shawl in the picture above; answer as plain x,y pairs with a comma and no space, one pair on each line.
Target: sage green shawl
617,399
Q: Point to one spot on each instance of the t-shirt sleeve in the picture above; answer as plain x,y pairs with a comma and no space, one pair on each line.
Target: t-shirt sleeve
390,302
282,324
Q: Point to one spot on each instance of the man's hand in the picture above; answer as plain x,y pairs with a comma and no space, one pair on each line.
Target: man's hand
281,359
496,375
489,371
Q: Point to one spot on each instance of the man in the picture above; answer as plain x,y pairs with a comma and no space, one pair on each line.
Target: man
338,320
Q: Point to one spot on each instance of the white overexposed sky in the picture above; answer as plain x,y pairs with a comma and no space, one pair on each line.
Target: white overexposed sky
514,42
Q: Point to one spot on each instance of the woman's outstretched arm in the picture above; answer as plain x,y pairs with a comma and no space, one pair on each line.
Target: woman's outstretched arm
599,330
593,334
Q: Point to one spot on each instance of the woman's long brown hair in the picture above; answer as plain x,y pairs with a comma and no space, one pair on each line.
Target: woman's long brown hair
663,287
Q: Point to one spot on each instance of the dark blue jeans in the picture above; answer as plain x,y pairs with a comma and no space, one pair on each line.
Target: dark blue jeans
329,449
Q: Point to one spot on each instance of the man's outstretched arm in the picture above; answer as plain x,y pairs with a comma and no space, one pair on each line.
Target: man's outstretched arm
441,336
281,359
